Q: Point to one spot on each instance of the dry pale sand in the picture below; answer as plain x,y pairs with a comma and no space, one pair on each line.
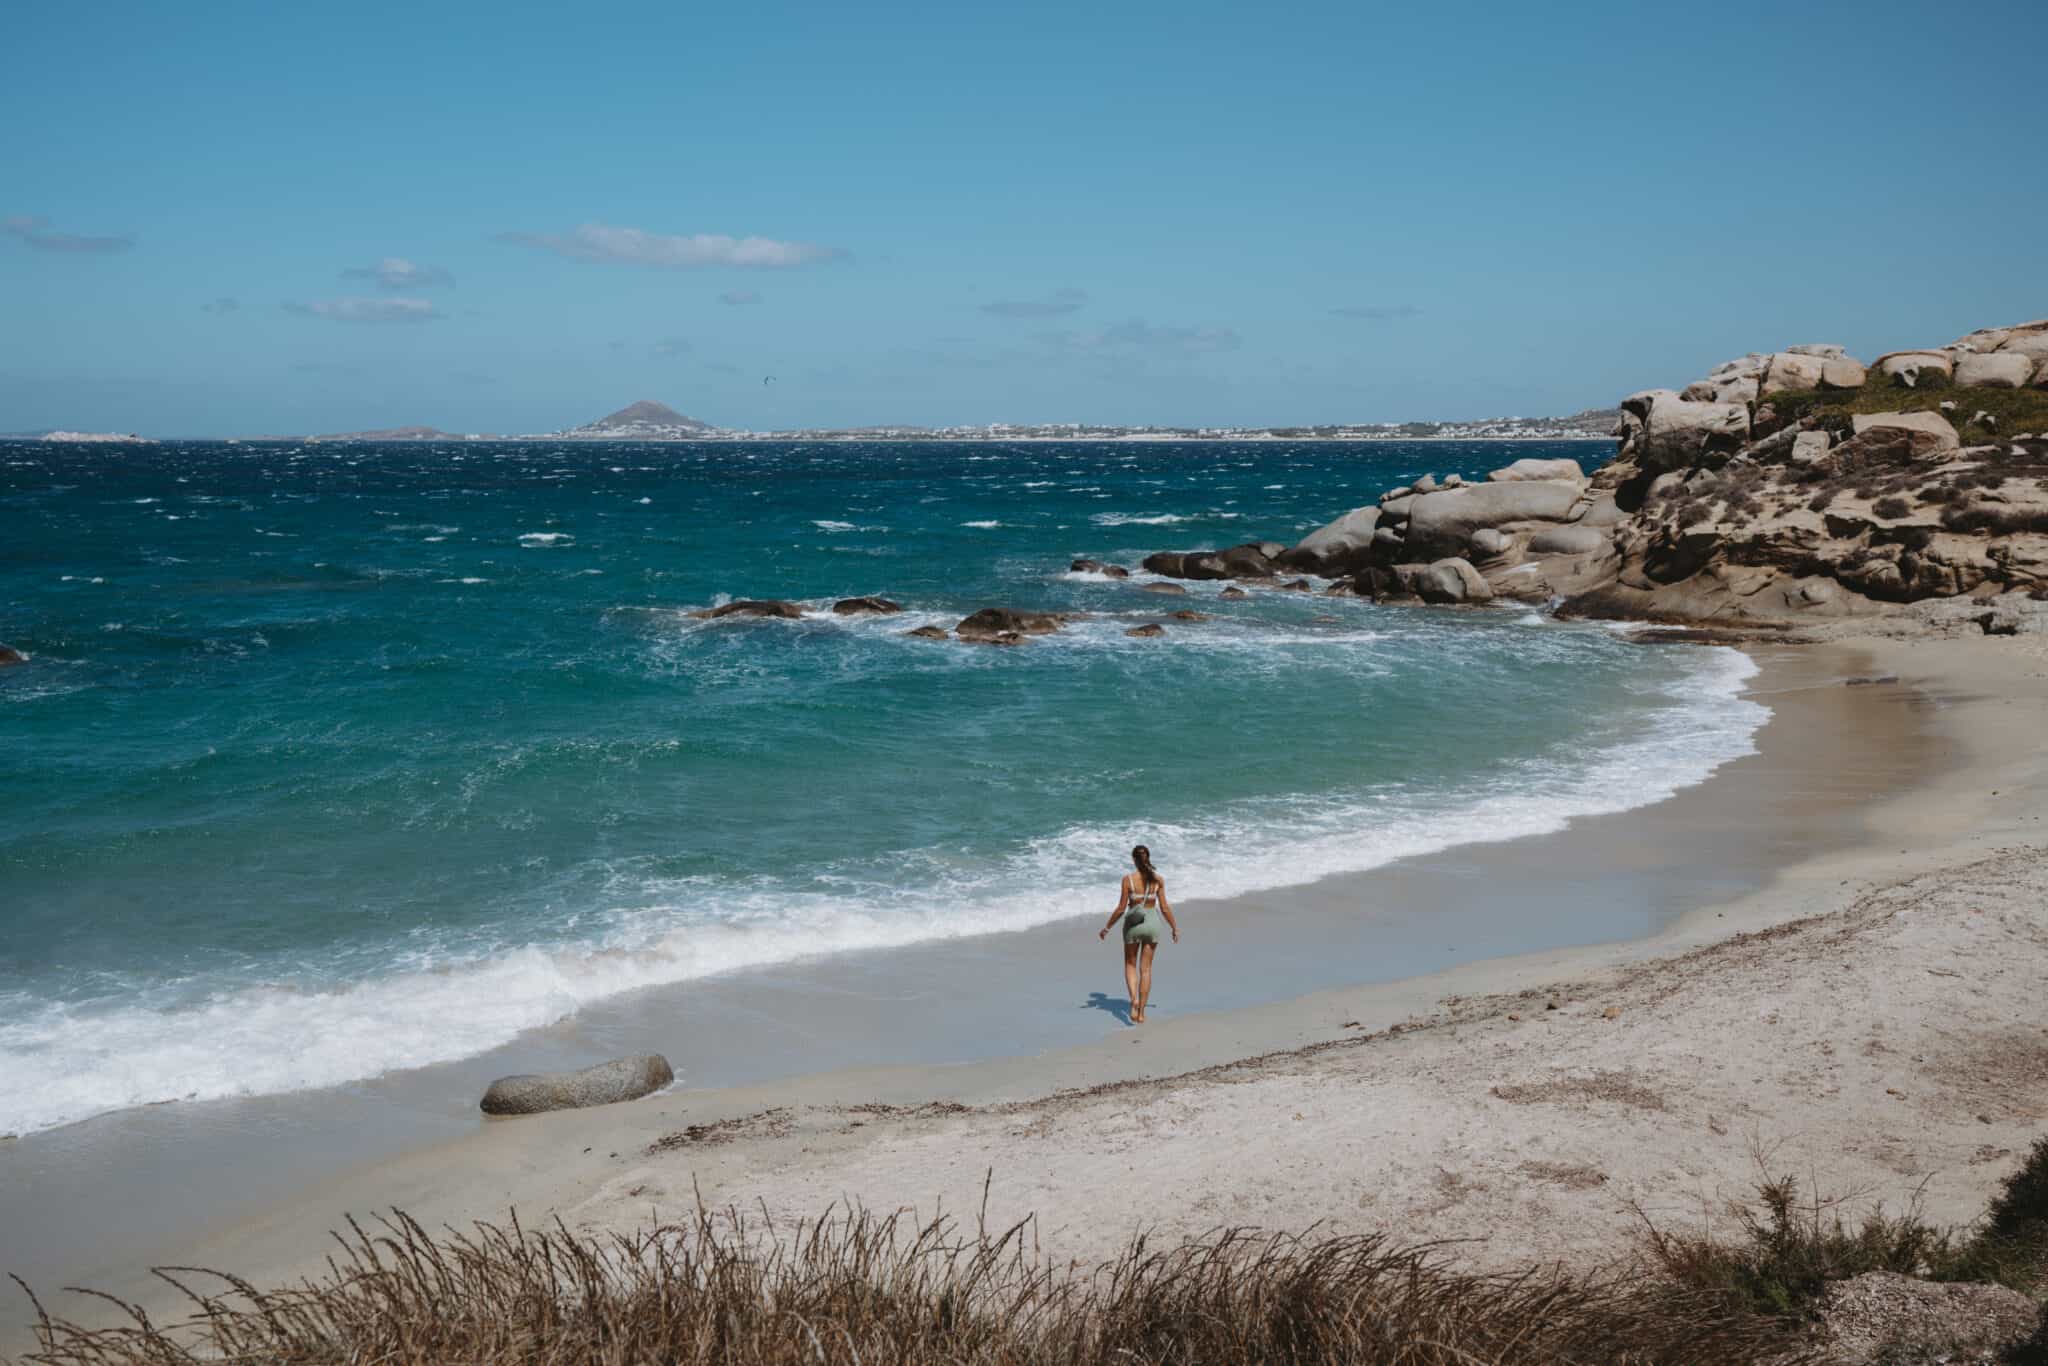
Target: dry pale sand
1870,1021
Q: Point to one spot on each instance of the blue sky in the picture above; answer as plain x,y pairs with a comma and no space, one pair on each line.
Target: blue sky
228,218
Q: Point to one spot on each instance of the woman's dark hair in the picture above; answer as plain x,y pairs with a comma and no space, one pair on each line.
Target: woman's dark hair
1143,858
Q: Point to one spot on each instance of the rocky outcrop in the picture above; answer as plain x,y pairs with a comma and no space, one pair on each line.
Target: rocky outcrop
605,1084
1846,510
1784,489
859,607
751,607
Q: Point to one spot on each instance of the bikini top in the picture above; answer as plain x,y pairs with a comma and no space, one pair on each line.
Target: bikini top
1149,896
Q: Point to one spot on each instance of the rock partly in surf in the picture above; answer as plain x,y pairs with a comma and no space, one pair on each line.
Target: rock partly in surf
1148,630
10,655
1110,571
605,1084
855,607
751,607
992,623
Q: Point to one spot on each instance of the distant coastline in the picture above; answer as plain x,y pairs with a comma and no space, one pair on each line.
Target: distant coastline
647,420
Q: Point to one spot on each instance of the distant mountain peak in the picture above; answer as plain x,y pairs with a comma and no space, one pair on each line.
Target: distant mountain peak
645,418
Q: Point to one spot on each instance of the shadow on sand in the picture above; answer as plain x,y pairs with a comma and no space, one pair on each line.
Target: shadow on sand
1115,1005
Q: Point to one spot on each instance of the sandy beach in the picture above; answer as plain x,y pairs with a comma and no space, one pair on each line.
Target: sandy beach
1836,971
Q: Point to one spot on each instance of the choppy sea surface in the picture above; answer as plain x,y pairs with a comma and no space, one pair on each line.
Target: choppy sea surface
332,760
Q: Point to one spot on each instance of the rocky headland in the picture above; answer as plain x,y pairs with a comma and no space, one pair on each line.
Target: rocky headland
1786,491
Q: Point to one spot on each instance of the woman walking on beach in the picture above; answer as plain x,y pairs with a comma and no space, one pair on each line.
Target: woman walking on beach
1141,901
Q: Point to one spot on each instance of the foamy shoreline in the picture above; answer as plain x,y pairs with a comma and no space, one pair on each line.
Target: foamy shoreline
1053,1147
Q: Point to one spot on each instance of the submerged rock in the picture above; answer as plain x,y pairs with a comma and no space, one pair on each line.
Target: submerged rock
605,1084
1169,588
928,633
10,655
1113,571
1148,630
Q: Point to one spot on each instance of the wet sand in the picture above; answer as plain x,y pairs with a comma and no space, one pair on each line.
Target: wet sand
999,1018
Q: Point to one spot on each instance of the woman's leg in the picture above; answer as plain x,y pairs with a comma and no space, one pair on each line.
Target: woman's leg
1131,981
1145,977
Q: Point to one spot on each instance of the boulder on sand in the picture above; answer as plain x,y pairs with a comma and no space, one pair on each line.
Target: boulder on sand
1532,468
752,607
605,1084
854,607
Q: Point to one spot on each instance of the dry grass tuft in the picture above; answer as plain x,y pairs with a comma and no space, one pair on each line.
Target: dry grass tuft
855,1289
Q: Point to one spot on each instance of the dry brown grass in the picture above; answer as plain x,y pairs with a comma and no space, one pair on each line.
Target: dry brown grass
856,1289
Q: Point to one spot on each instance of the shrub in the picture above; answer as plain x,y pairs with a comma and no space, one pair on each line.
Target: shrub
860,1289
1891,506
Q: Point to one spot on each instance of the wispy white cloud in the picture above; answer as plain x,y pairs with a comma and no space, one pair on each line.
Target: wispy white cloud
1053,305
737,297
633,247
1378,313
226,303
368,310
1139,335
34,232
672,346
398,274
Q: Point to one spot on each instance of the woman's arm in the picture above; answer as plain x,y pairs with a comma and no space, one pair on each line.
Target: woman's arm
1166,909
1123,899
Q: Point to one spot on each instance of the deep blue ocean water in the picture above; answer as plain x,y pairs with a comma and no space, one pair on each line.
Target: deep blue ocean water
330,760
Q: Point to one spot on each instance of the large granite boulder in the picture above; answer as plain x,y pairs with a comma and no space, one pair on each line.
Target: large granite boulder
1999,370
1531,468
1933,424
1570,540
1791,371
996,623
1907,367
605,1084
751,607
1842,372
1441,524
1249,561
1447,581
1335,549
1665,432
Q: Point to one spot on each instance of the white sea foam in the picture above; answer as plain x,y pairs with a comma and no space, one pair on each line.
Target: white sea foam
60,1063
982,526
1138,519
537,540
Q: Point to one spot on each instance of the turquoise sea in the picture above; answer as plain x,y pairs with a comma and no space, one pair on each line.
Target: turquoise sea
333,760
